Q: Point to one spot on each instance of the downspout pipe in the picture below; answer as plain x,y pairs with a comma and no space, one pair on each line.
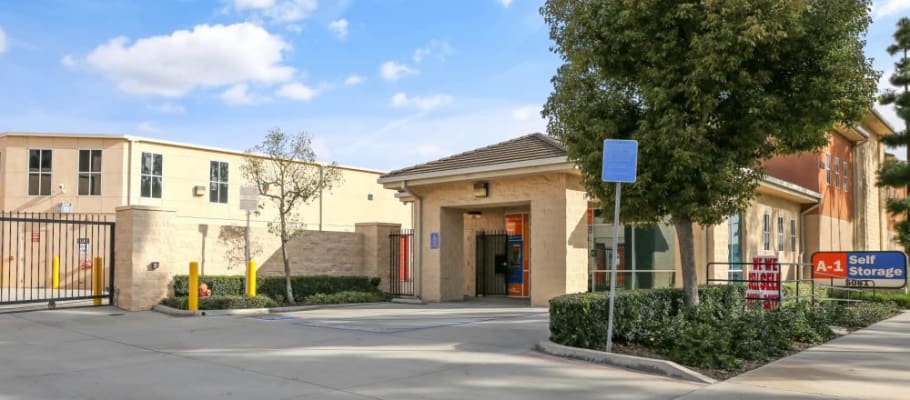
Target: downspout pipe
418,233
802,231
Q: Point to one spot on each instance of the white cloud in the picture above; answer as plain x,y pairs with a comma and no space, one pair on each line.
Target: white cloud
427,103
886,8
237,95
525,113
438,48
504,3
353,80
167,108
2,40
207,56
297,91
280,11
146,127
393,70
68,61
339,28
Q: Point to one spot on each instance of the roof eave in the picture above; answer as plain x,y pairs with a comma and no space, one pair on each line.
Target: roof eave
515,168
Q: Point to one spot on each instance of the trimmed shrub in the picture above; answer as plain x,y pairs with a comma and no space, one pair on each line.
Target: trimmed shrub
719,333
346,297
900,299
273,286
860,315
221,302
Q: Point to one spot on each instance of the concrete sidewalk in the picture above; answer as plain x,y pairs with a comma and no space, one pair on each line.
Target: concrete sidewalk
869,364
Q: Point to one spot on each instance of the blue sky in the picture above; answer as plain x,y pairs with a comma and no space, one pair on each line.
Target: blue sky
378,83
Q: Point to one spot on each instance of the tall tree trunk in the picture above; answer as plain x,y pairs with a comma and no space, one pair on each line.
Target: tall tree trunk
687,258
288,289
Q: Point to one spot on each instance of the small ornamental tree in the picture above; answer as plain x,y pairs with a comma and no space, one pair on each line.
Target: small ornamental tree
896,173
710,89
285,170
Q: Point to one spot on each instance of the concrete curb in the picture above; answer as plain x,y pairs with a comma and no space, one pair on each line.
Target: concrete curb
174,312
407,300
650,365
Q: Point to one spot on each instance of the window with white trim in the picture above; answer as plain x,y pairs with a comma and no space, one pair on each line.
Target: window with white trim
780,232
792,235
844,175
828,168
218,182
151,176
89,173
766,232
39,172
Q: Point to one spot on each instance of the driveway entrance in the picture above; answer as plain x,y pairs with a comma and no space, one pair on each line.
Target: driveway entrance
389,351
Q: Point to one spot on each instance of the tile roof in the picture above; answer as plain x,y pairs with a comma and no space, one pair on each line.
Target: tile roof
535,146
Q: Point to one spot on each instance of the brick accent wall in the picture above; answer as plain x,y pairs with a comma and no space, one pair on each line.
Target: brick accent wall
319,253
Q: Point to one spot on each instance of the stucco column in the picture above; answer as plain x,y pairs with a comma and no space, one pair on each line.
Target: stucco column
451,255
376,247
559,244
144,236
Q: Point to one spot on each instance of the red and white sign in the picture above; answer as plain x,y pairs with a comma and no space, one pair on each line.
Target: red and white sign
764,282
36,236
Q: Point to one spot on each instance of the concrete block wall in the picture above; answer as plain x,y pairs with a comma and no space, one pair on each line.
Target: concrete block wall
318,253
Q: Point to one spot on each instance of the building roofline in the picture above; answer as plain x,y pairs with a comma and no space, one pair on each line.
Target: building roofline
883,120
541,162
791,188
143,139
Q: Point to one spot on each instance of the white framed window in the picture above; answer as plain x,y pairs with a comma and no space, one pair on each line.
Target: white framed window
792,235
828,168
780,232
218,182
89,173
151,176
836,172
39,172
844,175
766,232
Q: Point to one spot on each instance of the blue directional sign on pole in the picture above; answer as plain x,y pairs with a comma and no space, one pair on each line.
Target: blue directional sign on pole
620,162
620,165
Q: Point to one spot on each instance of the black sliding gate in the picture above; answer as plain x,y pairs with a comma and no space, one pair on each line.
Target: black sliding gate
56,257
401,266
492,263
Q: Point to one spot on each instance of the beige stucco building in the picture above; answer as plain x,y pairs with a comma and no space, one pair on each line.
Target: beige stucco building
523,199
200,186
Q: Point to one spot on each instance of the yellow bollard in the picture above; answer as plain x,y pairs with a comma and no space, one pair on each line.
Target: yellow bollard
55,273
194,287
251,279
97,279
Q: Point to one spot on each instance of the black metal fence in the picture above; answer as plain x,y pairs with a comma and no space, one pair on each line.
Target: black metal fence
765,281
491,263
401,265
51,257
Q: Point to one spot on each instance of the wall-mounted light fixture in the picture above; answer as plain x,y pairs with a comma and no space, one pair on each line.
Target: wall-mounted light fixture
198,190
481,189
475,214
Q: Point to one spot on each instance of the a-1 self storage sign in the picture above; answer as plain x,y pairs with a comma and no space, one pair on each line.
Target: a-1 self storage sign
879,269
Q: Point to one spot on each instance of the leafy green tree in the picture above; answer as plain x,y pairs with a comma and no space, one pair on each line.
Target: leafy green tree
709,88
285,170
896,173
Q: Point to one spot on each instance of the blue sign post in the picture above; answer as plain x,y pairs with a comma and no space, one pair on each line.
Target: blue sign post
620,165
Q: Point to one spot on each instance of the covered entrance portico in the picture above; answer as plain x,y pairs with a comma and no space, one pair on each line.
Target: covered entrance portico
523,187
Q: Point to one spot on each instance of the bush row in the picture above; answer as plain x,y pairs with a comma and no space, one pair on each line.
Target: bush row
274,286
719,333
346,297
901,299
221,302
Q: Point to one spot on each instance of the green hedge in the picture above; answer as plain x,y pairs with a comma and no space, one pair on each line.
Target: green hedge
274,286
346,297
221,302
719,333
901,299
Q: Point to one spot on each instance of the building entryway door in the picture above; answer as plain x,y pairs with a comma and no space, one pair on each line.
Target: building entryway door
492,263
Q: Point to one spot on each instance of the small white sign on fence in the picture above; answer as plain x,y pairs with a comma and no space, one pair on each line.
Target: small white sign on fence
249,197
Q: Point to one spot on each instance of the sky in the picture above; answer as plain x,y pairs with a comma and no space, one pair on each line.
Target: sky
381,84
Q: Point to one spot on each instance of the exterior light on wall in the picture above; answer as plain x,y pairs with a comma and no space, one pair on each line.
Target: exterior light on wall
370,196
481,189
475,214
198,190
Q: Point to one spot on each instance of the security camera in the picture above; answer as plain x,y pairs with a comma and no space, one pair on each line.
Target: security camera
62,188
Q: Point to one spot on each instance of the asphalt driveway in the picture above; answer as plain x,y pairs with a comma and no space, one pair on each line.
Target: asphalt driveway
443,351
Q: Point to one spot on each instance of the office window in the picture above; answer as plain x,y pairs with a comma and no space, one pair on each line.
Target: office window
793,235
844,175
150,177
39,172
89,172
218,182
766,232
836,172
780,233
828,168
